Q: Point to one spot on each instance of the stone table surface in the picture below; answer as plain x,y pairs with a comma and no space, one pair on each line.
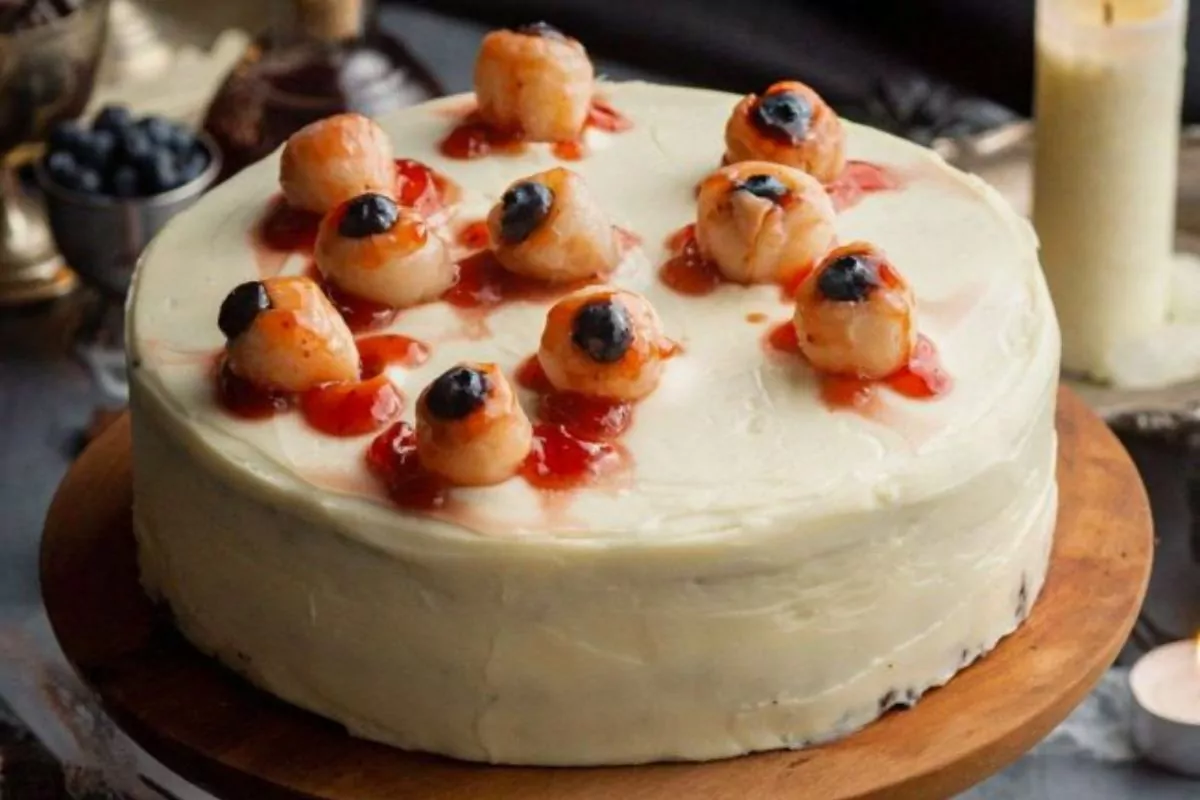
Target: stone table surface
48,398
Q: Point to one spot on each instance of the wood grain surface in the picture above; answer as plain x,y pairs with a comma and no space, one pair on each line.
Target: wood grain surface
238,742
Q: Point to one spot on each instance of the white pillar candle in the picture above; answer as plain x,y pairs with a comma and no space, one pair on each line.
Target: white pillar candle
1109,88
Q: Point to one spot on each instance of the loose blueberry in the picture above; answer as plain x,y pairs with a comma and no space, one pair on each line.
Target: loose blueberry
66,135
123,182
113,118
543,29
522,209
241,307
767,187
603,330
848,280
368,215
457,392
783,115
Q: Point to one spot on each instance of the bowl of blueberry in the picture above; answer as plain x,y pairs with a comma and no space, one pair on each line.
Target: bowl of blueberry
111,185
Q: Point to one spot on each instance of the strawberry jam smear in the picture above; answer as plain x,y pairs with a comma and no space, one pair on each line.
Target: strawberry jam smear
924,377
473,138
483,283
580,415
352,409
687,272
361,315
336,409
859,179
243,399
424,189
573,441
561,460
392,458
473,235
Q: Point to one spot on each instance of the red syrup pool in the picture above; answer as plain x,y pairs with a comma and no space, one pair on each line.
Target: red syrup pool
473,138
473,235
337,409
573,439
484,284
361,315
392,458
687,272
859,179
924,377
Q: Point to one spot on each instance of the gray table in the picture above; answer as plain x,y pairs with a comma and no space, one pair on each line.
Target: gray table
48,397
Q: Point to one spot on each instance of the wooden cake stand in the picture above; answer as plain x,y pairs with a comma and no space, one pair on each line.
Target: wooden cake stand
222,734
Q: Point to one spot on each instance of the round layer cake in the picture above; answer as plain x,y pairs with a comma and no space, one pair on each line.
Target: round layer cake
765,565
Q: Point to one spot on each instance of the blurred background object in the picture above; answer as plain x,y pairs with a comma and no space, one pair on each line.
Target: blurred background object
317,58
49,51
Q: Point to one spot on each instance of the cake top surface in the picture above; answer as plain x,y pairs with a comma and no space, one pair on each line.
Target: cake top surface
737,438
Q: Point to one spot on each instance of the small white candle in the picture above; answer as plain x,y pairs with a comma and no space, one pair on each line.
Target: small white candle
1166,694
1109,90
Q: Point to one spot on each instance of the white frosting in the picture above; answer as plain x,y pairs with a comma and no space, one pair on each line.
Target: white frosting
765,574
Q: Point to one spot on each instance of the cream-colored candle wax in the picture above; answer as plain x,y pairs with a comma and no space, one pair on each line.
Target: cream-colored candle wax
1109,88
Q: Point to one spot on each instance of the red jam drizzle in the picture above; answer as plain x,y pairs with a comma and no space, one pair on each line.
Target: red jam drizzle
352,409
791,284
376,353
569,151
288,229
423,189
337,409
474,235
783,338
361,315
484,284
687,272
604,117
280,232
580,415
922,379
531,376
560,460
473,138
573,439
243,399
362,407
859,179
392,457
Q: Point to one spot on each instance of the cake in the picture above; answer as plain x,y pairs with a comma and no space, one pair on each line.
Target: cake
733,542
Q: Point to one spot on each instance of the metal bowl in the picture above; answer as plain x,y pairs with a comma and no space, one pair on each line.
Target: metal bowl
101,237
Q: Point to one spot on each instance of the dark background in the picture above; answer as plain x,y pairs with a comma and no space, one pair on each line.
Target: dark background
844,48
